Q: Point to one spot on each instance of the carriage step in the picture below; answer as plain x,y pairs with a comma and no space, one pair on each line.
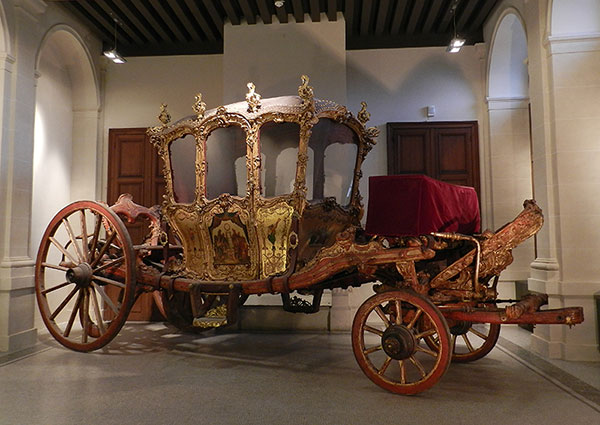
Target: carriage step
214,318
209,322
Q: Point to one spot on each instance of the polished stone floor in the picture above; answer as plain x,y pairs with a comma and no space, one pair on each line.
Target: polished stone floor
151,374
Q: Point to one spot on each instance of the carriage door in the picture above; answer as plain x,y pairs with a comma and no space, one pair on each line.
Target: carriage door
134,167
446,151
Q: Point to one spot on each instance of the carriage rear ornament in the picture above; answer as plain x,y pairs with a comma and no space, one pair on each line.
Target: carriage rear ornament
238,220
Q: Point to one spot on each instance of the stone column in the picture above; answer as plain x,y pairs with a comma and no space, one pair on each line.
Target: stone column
16,161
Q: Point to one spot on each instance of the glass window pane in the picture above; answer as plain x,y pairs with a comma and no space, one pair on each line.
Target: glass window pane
279,153
226,162
182,152
335,148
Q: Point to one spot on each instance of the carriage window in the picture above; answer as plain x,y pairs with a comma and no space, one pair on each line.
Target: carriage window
279,152
182,152
335,148
226,161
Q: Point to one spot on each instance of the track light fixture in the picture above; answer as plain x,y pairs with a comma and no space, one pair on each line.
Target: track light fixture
112,54
457,42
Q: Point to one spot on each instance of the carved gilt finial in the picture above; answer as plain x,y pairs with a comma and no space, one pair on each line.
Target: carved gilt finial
363,116
164,117
252,98
305,91
199,106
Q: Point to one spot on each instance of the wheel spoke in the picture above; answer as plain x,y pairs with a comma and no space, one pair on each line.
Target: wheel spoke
63,250
479,334
453,344
106,298
54,288
73,239
427,333
84,236
371,350
418,365
64,303
373,330
72,317
414,319
384,366
426,351
469,345
109,281
381,315
86,316
55,267
97,224
97,311
109,264
104,249
398,304
402,371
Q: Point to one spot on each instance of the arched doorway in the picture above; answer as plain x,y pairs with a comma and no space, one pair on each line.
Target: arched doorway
510,139
65,130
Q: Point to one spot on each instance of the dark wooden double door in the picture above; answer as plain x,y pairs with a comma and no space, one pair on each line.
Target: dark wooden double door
446,151
134,167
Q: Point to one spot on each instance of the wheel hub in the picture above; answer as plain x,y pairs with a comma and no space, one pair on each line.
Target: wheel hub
398,342
81,275
460,328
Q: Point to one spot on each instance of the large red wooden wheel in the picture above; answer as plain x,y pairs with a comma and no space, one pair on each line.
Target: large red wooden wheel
389,345
81,242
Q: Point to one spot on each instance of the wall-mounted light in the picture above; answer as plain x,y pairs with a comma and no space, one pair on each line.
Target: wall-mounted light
279,3
112,54
457,42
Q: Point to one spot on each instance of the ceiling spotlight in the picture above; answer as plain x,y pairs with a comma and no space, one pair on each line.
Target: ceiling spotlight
457,42
112,54
279,3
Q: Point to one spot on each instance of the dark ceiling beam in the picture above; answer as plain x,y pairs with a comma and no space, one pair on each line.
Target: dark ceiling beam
298,10
446,22
315,11
215,16
415,14
189,22
465,14
134,19
115,13
204,25
482,13
107,23
141,6
159,6
265,13
365,17
282,14
248,12
93,26
382,14
349,16
434,12
231,13
332,10
398,16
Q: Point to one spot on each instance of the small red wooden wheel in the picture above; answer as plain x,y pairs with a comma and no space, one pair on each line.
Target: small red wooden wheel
83,241
389,345
469,341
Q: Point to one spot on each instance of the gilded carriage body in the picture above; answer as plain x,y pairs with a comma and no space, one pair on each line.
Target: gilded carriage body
262,196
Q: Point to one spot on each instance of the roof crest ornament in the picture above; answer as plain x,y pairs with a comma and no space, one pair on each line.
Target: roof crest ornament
199,106
252,98
305,91
164,117
363,116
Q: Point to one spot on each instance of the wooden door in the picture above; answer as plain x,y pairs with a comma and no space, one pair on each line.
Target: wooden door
134,167
446,151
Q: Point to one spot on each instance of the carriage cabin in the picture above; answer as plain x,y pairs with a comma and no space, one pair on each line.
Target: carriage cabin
255,189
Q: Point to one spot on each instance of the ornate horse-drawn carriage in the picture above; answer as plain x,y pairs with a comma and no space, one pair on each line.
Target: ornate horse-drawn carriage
239,219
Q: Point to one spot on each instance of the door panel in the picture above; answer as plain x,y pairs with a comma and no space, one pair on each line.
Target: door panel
446,151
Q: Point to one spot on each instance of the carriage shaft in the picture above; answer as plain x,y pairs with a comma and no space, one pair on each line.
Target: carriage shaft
564,316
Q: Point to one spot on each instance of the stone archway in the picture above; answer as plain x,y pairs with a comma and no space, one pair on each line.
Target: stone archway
510,142
65,130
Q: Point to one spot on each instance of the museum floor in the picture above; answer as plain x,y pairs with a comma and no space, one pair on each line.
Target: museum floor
151,374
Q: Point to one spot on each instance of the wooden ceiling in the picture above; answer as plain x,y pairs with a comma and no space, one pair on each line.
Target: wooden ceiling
180,27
